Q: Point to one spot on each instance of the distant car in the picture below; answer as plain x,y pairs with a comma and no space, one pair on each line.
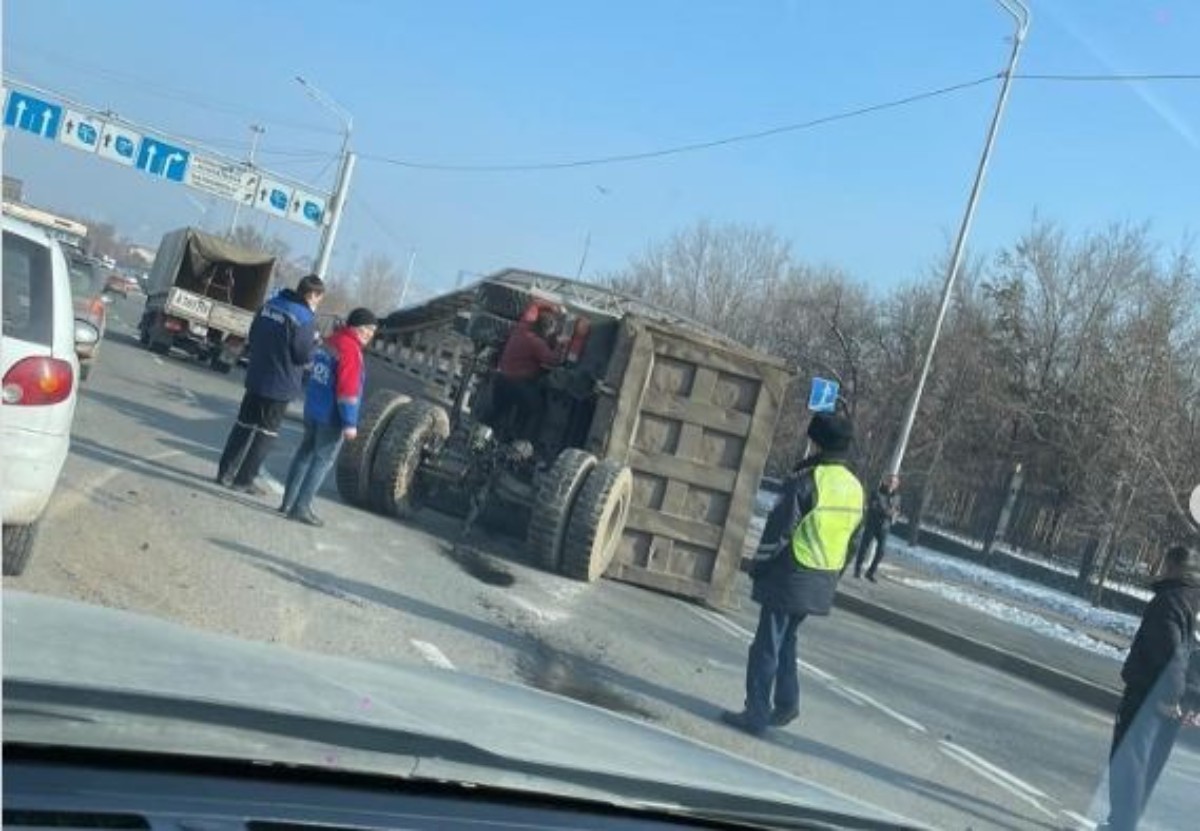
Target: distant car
88,287
40,371
122,284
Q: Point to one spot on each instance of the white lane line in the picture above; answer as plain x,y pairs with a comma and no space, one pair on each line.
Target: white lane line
848,695
912,724
854,695
818,672
996,769
1080,821
539,614
158,360
1002,779
432,654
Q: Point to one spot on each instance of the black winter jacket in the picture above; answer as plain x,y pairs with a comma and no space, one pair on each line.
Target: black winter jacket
1165,650
882,508
282,341
780,583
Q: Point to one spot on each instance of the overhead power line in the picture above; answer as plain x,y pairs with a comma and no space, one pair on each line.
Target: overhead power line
1115,78
693,146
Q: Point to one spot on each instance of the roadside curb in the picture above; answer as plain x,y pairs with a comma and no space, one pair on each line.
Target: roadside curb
1080,689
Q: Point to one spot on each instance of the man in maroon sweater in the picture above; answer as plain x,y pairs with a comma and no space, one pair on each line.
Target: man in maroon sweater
527,354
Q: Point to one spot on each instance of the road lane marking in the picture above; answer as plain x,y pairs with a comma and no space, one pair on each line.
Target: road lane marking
432,654
912,724
159,360
540,614
1080,820
818,672
997,776
847,695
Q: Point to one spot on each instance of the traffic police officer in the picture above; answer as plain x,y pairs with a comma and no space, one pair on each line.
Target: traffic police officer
804,547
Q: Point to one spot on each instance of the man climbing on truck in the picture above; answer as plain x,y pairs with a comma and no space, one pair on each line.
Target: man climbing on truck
529,351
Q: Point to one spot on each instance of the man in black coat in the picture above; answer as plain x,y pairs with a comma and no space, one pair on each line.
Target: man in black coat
883,510
1162,688
282,340
803,552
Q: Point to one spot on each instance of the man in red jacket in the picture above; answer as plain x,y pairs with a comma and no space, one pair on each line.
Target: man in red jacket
331,405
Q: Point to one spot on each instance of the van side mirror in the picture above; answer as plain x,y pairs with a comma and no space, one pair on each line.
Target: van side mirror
85,333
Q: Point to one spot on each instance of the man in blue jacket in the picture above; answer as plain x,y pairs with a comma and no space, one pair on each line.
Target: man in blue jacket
282,341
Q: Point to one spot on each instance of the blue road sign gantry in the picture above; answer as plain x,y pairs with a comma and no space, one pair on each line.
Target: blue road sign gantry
33,115
161,159
823,395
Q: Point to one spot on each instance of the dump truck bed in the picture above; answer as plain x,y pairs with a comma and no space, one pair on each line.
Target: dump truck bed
689,411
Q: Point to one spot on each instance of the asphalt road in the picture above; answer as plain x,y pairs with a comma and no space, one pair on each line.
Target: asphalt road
138,524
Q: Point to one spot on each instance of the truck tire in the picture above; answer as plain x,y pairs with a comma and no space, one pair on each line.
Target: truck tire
355,458
488,328
504,301
597,521
223,367
555,499
18,546
413,428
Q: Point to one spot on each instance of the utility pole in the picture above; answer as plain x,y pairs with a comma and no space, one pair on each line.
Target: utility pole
345,172
1020,14
412,258
256,133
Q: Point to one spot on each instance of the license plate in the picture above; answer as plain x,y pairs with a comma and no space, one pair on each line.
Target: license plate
191,305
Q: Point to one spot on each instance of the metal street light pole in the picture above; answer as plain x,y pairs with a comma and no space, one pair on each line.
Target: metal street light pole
345,172
412,258
1020,14
256,133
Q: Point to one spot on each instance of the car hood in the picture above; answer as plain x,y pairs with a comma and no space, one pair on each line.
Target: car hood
59,652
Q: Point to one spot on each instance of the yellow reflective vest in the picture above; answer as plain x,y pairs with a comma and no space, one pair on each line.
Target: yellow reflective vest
822,539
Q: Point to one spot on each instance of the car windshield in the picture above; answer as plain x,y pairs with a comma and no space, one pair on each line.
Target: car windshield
87,280
689,403
28,290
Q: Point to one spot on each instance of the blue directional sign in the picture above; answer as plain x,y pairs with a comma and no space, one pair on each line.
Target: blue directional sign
33,115
312,212
823,396
158,158
278,199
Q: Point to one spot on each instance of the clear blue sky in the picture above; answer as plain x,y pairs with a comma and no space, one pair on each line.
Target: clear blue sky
482,82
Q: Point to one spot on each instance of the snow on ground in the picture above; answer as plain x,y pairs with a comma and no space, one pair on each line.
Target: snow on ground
1026,592
1000,610
1037,559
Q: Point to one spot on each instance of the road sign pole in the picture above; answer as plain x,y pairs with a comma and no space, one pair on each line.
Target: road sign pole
255,133
329,233
1020,14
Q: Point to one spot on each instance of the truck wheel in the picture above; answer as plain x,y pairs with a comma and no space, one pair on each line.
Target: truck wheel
354,460
413,428
597,521
488,329
504,301
223,367
18,546
555,498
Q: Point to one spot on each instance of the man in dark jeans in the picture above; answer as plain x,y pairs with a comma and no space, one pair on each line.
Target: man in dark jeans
883,510
1162,689
282,341
804,548
331,407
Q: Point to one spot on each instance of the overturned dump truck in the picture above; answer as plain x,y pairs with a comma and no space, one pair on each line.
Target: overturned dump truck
645,459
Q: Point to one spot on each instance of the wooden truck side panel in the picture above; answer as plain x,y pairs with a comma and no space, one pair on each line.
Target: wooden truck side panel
694,419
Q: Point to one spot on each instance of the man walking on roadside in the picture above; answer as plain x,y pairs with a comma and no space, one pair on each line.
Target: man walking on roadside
883,510
282,340
1162,688
804,548
331,405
